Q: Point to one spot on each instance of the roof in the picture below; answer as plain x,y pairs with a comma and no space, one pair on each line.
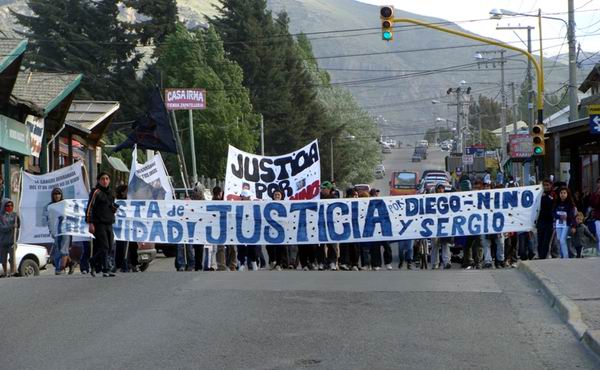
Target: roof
592,78
509,128
594,99
10,50
43,91
11,56
91,117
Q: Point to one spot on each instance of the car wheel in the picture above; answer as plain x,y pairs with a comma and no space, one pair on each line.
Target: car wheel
144,266
29,268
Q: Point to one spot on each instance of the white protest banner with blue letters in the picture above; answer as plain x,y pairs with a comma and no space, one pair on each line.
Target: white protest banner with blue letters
319,221
297,174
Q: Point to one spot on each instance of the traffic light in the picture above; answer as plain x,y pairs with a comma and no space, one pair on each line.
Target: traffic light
387,22
537,136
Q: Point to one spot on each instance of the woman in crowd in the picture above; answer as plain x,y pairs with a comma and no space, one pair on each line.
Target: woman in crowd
279,253
564,219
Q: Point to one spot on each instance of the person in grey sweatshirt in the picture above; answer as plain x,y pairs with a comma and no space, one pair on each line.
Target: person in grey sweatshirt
9,222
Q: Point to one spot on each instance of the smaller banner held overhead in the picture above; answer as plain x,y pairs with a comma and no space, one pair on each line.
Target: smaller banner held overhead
37,190
297,174
35,125
149,180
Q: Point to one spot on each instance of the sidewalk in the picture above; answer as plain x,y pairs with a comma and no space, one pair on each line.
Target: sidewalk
572,288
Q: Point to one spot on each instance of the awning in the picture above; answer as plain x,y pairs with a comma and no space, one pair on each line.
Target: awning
117,163
14,136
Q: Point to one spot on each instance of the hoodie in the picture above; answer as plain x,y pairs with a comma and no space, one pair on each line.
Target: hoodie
7,225
47,221
101,206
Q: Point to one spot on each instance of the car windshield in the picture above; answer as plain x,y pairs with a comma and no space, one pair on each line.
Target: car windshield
405,180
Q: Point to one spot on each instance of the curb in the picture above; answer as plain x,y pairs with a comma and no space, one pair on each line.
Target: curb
566,308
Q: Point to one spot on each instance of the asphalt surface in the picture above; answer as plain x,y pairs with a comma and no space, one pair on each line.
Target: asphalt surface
281,320
400,160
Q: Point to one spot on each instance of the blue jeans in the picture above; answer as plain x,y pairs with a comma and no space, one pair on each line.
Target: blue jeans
486,242
60,250
562,231
185,261
405,250
84,260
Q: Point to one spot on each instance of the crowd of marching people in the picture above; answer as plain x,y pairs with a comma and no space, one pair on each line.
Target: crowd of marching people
562,231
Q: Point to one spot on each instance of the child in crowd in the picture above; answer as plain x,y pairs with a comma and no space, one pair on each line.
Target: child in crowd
581,232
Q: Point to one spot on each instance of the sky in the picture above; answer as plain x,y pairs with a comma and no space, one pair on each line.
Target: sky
473,15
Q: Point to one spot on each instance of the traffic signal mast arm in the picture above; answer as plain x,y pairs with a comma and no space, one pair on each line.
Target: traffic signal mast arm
538,70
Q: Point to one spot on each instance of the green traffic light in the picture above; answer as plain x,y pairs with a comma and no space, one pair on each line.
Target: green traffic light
387,35
538,150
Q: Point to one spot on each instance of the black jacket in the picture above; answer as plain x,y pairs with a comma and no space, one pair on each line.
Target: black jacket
101,207
546,208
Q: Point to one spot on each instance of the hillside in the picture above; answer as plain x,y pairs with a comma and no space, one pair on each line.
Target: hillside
397,80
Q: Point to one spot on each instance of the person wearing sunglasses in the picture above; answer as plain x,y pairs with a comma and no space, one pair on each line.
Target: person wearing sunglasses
9,222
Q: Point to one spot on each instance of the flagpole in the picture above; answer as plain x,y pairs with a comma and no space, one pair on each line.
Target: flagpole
182,166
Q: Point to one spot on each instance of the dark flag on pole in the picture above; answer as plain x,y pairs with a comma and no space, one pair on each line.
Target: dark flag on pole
152,131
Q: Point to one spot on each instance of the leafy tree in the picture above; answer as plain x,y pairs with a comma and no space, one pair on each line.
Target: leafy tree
274,72
197,59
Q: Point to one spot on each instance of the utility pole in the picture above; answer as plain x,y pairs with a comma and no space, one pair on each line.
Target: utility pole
501,61
530,93
460,104
458,134
573,114
514,106
331,156
262,136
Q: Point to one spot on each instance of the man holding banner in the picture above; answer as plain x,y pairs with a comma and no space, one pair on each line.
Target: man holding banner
100,216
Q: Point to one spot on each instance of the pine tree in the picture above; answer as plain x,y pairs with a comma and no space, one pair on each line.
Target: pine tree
79,36
274,71
197,59
162,19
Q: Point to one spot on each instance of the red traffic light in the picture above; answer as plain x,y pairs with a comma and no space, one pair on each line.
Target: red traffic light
386,11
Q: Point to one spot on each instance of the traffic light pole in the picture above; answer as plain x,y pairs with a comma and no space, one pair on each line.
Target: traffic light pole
530,57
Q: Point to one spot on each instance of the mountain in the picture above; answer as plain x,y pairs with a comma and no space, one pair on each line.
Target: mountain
585,59
397,80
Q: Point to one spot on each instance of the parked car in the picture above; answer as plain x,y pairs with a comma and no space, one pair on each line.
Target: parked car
30,259
362,187
146,254
380,167
386,149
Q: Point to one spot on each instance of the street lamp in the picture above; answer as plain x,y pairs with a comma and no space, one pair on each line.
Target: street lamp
499,13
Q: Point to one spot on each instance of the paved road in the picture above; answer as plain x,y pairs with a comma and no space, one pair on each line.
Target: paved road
400,160
280,320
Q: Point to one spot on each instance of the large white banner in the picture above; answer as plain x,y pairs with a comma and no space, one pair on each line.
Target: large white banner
35,125
297,174
37,190
318,221
149,180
